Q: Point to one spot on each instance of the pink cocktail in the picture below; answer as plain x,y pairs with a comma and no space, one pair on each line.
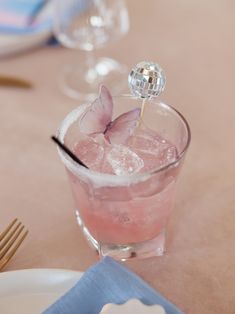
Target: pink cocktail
124,200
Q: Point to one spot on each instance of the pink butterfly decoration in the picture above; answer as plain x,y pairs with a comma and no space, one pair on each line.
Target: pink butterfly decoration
98,119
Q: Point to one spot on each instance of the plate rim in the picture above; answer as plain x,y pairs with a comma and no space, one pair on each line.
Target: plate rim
12,44
37,269
19,281
34,289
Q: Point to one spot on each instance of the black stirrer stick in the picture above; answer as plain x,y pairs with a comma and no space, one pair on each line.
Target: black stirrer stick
68,152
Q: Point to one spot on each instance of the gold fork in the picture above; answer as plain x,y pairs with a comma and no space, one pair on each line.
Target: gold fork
10,239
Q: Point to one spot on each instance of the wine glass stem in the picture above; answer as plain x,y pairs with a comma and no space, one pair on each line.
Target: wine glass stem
90,60
91,75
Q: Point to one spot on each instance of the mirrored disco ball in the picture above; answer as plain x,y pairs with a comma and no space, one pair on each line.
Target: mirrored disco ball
146,80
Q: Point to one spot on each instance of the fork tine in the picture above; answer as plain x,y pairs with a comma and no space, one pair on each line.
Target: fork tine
11,253
7,247
9,235
3,234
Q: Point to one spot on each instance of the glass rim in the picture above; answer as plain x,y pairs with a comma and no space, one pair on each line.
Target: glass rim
72,116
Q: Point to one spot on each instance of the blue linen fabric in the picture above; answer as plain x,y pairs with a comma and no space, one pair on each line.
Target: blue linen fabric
107,282
17,16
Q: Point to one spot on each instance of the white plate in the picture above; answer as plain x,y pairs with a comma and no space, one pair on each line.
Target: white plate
31,291
10,44
132,306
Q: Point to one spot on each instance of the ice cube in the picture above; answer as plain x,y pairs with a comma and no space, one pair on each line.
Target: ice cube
169,154
152,148
90,152
147,141
124,161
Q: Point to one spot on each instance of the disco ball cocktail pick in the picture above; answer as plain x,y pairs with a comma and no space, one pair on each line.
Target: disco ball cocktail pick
146,80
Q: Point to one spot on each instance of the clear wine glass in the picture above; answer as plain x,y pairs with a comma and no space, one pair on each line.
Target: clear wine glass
88,25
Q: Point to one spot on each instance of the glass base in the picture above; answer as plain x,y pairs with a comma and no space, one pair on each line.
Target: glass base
82,83
150,248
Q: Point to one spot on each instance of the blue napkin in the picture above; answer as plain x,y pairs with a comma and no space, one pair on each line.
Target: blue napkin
20,16
107,282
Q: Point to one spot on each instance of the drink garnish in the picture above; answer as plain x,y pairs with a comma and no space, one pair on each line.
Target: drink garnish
146,80
98,119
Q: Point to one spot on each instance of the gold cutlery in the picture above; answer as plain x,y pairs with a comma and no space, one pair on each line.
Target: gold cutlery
13,81
10,240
